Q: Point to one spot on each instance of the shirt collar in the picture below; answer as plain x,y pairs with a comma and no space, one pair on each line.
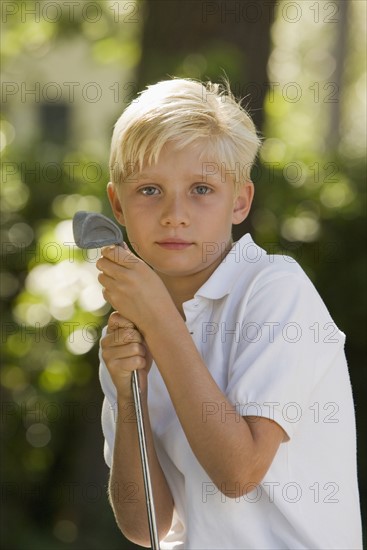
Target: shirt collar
221,282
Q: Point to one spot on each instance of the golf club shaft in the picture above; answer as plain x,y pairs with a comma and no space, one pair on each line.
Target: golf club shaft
86,224
144,462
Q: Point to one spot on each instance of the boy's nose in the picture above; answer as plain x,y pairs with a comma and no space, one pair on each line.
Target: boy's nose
175,212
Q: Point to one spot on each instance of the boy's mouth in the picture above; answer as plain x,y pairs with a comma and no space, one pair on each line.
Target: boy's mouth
174,244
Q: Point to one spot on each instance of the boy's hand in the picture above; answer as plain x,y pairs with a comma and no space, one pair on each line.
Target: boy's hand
124,350
132,287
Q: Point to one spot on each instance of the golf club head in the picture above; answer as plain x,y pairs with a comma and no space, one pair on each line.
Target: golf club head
92,230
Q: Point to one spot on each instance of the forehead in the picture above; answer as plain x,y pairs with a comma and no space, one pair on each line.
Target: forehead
191,161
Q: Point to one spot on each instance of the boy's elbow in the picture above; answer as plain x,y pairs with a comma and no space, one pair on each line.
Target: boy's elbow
141,536
138,532
239,486
134,536
237,489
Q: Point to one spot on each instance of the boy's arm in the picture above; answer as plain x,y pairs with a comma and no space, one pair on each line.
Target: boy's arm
236,452
126,486
123,350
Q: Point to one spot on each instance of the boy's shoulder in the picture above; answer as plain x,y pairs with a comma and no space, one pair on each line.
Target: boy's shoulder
256,260
276,283
247,265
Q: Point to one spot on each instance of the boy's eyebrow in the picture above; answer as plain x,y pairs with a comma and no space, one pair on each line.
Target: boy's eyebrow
144,176
198,176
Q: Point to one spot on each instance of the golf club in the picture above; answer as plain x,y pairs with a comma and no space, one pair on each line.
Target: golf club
92,230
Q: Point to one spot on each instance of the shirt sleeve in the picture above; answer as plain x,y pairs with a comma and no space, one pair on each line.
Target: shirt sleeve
288,341
109,410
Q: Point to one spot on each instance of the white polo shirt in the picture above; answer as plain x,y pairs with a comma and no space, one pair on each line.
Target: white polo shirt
273,349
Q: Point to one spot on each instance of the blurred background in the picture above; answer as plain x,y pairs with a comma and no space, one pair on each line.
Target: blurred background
69,69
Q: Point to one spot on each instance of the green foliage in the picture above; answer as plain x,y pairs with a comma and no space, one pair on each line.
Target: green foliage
310,204
54,480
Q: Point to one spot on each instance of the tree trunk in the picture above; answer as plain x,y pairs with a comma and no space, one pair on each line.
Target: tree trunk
208,40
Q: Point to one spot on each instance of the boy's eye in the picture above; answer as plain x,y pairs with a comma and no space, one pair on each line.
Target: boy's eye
202,189
149,190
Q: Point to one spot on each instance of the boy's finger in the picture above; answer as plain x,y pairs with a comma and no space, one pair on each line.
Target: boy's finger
119,254
116,321
123,337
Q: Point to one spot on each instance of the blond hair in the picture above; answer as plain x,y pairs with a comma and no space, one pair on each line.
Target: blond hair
184,111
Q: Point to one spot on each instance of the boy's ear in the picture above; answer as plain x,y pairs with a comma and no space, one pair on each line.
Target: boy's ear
115,203
243,202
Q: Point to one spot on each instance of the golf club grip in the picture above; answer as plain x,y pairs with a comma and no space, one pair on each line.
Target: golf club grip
144,463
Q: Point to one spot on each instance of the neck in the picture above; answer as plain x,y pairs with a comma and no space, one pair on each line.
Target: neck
182,289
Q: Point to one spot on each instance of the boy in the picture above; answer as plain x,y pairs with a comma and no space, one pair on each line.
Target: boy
248,411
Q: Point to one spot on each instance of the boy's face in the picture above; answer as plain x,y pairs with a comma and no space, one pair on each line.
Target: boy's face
177,216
